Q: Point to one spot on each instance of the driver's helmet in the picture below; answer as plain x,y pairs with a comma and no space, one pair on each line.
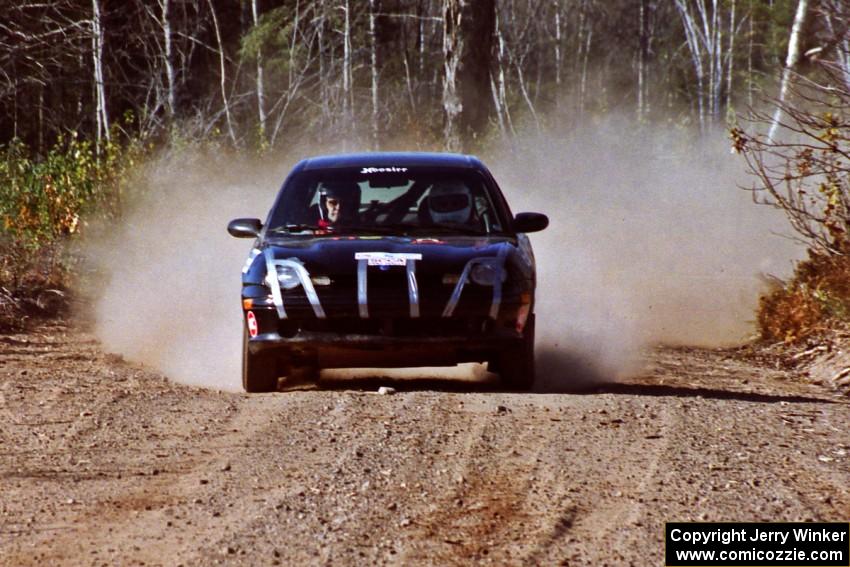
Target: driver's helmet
450,202
346,193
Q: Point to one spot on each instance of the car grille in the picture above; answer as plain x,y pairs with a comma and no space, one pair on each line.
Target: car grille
388,298
390,327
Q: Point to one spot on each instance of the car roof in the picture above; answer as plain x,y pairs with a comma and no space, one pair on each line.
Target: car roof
391,159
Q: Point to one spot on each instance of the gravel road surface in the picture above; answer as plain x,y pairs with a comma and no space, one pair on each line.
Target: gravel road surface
107,463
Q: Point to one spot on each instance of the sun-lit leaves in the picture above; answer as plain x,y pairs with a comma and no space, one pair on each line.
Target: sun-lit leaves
45,199
817,296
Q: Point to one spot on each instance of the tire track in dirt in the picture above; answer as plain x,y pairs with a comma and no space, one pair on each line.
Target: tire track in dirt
624,487
486,501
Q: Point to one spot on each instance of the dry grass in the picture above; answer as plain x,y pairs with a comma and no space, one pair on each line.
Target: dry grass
814,300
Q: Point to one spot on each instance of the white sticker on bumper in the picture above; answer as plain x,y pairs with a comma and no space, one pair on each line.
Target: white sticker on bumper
386,258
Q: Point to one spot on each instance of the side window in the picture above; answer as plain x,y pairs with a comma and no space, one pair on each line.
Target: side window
314,199
293,205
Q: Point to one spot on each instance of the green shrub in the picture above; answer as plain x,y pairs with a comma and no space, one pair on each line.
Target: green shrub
44,199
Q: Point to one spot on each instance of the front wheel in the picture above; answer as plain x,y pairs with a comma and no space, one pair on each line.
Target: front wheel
259,371
516,364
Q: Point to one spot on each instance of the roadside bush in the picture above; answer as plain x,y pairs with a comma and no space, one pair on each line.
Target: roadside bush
46,200
814,300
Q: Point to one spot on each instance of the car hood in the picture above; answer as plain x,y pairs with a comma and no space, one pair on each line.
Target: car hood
332,255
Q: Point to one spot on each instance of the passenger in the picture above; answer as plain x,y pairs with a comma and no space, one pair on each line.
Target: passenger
451,203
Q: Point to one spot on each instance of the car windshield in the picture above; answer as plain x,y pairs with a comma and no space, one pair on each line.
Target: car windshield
385,201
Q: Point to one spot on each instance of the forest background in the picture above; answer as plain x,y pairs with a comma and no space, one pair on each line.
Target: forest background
91,90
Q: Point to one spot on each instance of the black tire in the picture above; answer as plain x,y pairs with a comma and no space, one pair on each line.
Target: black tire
259,372
516,365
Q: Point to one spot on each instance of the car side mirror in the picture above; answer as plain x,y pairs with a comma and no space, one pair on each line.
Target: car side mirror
244,228
530,222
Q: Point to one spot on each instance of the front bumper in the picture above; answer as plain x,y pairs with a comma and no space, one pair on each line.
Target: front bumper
349,350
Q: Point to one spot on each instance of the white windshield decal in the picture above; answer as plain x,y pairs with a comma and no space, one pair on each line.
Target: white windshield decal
383,170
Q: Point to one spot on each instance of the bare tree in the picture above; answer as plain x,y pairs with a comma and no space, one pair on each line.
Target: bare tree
223,74
261,90
498,86
168,59
791,61
478,24
703,32
101,114
557,47
836,17
584,42
450,68
730,54
807,176
452,49
44,70
347,94
374,71
643,59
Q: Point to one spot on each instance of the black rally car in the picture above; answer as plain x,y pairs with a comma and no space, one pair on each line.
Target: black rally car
388,260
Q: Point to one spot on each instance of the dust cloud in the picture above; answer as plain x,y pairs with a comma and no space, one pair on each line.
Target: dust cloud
650,241
169,274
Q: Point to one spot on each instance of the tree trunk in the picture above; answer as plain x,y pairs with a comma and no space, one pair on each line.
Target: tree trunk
715,61
502,105
478,25
452,49
583,88
750,35
836,14
579,50
524,91
40,146
347,100
468,30
790,62
223,72
374,62
420,39
323,83
643,55
730,56
558,58
261,90
695,42
171,96
101,115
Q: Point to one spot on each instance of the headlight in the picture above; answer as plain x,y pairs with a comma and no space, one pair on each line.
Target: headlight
486,274
287,277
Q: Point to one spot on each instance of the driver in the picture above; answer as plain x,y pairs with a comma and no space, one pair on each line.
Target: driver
450,202
338,203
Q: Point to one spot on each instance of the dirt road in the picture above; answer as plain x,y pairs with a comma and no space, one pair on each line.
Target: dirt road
106,463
